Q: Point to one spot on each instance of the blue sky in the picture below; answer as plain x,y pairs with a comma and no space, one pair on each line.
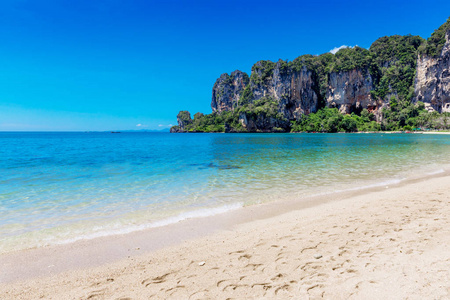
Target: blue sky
114,65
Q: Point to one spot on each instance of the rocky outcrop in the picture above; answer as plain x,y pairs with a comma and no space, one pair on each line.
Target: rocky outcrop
349,91
263,123
294,89
175,129
432,83
184,120
227,91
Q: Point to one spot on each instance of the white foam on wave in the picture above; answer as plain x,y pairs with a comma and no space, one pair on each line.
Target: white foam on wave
378,184
363,187
440,171
389,182
200,213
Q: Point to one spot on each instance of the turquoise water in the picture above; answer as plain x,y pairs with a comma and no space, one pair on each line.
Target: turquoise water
60,187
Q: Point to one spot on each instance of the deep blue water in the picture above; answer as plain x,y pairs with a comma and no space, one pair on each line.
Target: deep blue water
57,187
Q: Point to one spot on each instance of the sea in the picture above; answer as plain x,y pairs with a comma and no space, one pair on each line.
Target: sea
61,187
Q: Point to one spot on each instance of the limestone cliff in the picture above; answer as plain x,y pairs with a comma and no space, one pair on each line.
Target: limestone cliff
432,83
227,91
295,89
349,91
279,91
263,123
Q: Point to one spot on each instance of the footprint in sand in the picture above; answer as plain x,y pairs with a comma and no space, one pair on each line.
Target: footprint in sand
96,294
246,256
155,280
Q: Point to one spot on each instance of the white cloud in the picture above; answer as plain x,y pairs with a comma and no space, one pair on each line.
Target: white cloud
336,49
161,125
139,125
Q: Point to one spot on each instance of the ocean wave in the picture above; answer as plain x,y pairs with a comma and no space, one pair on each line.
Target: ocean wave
199,213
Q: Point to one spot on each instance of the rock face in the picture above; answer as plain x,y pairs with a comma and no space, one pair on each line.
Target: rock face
227,91
175,129
183,119
432,83
262,123
294,90
349,91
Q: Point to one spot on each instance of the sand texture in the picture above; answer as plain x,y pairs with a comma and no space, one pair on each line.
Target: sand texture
389,244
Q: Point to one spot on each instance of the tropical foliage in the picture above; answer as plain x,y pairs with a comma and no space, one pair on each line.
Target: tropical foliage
436,41
400,116
395,60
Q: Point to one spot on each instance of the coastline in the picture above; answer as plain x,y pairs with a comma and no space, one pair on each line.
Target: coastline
436,132
127,259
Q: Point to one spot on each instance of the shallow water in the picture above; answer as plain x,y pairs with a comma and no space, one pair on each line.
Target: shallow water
60,187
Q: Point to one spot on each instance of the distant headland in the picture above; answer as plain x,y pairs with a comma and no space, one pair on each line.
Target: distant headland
399,83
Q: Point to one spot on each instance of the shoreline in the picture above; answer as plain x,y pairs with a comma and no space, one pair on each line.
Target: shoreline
436,132
27,267
42,261
212,212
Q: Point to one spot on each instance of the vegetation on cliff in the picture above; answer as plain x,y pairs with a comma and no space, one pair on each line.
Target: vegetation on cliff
184,116
395,59
436,41
331,120
262,70
348,59
391,61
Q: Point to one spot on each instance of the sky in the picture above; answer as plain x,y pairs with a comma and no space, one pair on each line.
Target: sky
129,65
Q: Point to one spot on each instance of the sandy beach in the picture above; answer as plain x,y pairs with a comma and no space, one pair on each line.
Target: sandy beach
436,132
385,243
